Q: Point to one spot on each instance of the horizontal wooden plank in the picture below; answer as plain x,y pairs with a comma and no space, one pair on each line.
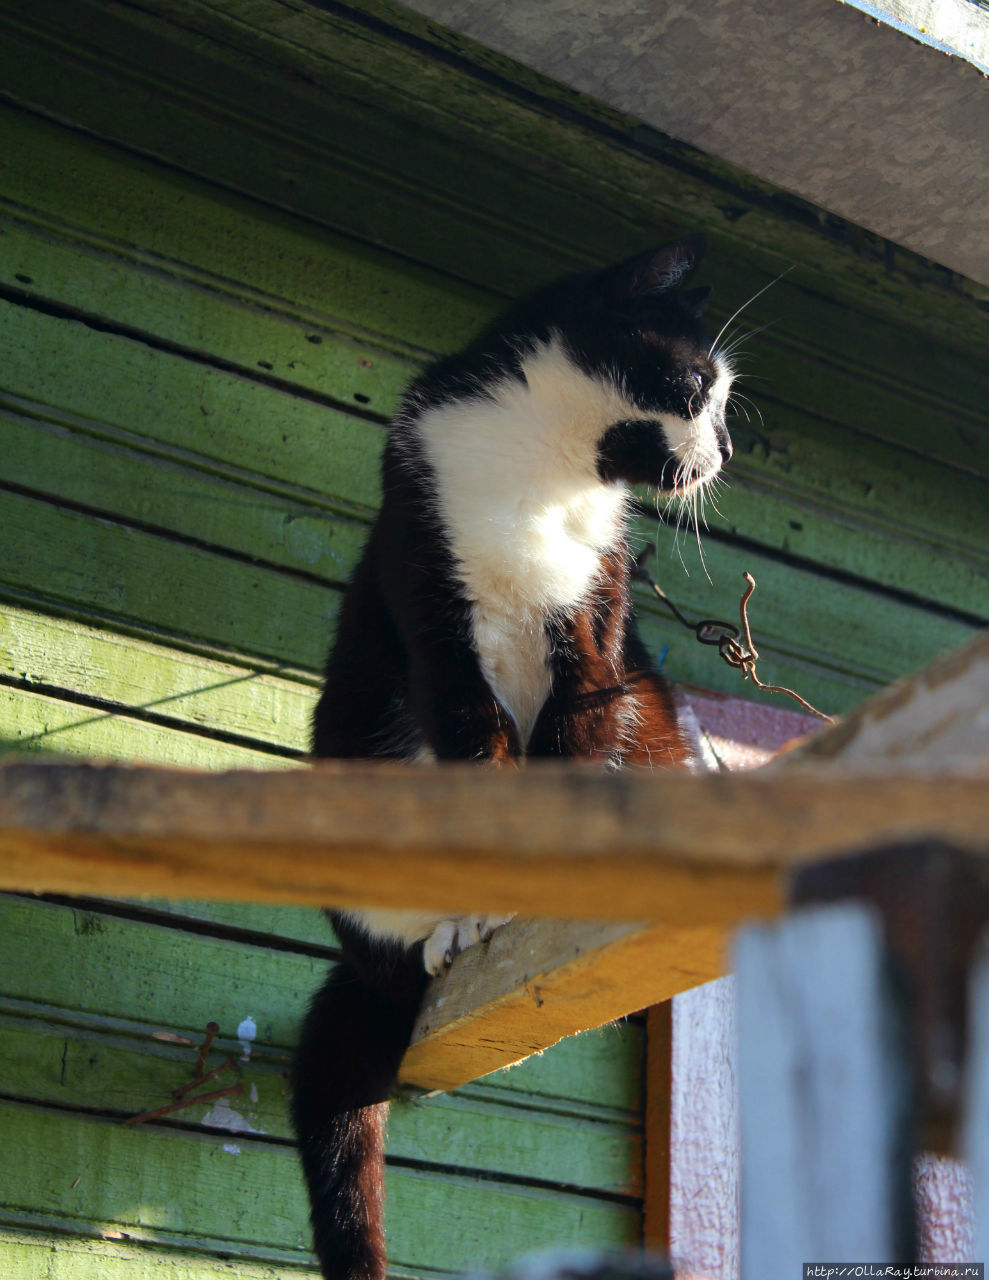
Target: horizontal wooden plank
594,1073
298,531
115,1076
40,1255
185,690
293,335
307,927
693,851
41,725
212,1194
812,489
124,975
697,854
97,567
189,406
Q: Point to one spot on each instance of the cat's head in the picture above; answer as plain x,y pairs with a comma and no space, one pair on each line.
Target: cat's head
635,332
607,376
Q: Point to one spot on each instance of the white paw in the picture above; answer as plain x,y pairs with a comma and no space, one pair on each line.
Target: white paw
450,937
440,947
488,924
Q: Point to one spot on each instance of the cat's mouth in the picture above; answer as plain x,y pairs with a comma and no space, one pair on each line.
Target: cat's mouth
691,473
694,479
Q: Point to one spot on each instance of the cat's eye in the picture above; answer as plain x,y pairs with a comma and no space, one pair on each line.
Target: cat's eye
699,380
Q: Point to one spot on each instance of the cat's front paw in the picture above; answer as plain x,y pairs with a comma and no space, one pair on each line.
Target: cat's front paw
486,925
450,937
441,946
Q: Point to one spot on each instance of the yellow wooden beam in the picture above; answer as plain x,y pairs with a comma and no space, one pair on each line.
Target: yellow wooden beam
693,856
554,839
687,856
538,981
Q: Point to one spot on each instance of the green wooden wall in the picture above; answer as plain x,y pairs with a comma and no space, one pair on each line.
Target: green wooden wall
230,230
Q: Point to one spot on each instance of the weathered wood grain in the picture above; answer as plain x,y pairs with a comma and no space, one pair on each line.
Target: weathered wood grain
86,566
38,1255
231,1192
705,1174
214,414
40,725
94,1070
258,705
126,479
936,720
693,851
294,335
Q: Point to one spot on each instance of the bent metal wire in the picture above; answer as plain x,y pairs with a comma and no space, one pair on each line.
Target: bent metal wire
733,643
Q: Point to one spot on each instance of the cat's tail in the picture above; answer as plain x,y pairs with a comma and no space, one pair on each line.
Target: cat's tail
353,1039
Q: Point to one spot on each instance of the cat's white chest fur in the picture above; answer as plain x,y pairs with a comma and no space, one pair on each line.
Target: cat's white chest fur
526,513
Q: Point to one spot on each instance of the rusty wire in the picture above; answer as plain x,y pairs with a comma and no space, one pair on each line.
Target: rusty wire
733,643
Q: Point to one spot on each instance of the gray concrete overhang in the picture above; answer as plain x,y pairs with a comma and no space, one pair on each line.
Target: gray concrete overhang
814,96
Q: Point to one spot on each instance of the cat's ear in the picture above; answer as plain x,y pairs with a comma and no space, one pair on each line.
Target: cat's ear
695,300
659,270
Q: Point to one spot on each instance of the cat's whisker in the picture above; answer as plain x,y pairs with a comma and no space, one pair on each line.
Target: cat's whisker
744,399
728,352
735,314
697,534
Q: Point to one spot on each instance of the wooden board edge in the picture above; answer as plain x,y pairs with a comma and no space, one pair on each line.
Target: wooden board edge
566,978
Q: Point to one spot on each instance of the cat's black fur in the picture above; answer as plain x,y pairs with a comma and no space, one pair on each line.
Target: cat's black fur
619,359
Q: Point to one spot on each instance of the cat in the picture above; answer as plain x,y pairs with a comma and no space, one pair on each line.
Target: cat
490,619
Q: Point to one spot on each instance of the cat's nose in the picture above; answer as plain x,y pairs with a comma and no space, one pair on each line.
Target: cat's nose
724,442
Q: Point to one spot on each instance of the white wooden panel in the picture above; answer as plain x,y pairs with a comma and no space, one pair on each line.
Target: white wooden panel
704,1172
977,1104
822,1096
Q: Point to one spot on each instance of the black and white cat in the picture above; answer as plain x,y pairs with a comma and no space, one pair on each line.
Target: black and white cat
490,620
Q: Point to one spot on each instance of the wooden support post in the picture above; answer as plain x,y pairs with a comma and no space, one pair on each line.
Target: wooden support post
825,1097
658,1147
703,1167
